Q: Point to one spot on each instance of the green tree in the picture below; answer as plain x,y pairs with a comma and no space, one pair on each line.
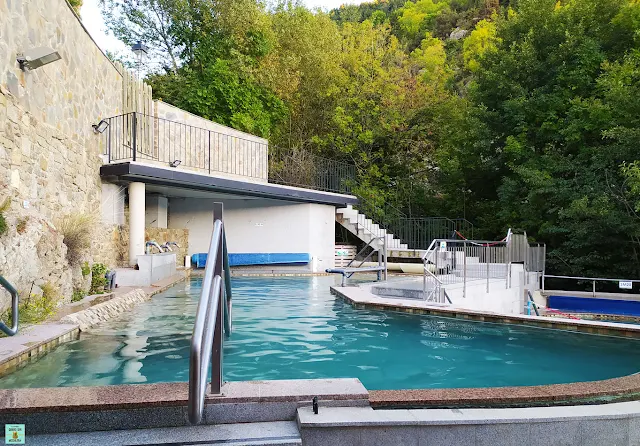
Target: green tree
76,5
544,105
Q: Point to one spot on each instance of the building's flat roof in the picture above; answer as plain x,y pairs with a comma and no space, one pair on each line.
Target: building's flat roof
183,179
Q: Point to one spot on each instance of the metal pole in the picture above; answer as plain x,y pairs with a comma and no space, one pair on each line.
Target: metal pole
594,288
464,270
209,151
216,353
134,142
487,255
544,263
384,245
507,279
424,279
378,273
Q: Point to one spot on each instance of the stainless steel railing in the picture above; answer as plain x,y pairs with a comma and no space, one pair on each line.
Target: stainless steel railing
213,313
628,283
14,308
448,261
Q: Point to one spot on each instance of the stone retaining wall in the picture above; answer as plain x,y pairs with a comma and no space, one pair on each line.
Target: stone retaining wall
97,314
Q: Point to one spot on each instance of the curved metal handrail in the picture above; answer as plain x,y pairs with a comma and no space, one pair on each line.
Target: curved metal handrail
213,320
14,308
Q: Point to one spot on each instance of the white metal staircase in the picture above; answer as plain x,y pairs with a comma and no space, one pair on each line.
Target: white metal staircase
366,230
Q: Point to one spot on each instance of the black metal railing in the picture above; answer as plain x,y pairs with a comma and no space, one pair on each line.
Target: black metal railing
416,232
301,168
139,137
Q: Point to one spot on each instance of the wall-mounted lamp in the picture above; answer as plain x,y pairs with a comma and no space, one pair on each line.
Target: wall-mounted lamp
100,127
175,163
37,57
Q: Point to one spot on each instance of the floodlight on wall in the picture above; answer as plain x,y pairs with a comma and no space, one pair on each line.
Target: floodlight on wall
139,49
37,57
175,163
100,127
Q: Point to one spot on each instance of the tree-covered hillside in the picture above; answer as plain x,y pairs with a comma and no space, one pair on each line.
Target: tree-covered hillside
519,114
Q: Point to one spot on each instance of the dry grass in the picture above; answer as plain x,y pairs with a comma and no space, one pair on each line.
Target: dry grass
77,230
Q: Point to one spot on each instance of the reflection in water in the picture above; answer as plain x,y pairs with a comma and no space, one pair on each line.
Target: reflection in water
291,327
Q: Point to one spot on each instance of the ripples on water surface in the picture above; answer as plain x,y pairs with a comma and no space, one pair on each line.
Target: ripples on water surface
291,327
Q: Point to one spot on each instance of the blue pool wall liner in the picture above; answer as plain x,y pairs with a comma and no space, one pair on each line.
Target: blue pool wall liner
595,305
262,258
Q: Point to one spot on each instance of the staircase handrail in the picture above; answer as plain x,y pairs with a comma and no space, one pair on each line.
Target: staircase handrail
214,312
14,308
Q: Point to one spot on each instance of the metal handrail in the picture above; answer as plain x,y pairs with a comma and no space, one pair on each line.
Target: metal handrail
590,279
444,291
214,312
14,308
533,303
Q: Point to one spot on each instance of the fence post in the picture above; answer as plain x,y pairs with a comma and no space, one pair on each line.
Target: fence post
134,145
464,270
544,263
594,288
507,279
487,256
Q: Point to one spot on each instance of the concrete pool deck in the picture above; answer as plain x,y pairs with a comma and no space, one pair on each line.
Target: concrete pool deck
362,297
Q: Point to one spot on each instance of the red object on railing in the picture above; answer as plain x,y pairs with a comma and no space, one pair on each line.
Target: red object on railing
563,314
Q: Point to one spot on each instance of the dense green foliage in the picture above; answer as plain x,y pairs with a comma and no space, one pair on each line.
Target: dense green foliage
511,114
98,278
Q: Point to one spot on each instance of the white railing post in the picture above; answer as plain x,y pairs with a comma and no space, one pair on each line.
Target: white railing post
464,269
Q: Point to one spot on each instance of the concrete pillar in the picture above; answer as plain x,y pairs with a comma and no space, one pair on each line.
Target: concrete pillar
136,221
156,211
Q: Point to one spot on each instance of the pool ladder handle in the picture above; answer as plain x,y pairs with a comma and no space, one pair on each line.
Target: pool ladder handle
213,321
14,308
531,303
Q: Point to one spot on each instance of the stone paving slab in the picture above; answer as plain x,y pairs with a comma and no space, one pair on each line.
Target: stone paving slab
273,433
366,416
293,390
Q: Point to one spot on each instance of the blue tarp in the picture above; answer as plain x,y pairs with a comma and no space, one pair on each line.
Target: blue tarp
594,305
245,259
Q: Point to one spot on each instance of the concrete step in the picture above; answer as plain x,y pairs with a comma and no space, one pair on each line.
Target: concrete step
398,293
278,433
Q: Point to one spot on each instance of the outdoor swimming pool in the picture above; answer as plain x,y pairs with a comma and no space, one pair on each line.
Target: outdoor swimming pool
292,327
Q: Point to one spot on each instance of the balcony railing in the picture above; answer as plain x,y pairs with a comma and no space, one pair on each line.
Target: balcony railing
144,138
301,168
140,137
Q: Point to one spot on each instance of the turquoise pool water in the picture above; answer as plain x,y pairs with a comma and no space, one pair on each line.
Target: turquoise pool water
292,327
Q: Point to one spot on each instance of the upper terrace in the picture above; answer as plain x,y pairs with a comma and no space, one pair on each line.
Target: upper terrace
178,148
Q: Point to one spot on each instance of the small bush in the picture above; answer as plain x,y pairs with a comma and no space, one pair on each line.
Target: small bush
21,227
35,308
76,230
78,294
3,222
86,269
98,279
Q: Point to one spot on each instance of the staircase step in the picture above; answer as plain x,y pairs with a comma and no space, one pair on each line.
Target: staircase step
277,433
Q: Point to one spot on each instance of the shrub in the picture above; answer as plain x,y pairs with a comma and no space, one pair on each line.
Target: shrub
21,227
98,279
3,222
76,231
86,269
35,308
78,294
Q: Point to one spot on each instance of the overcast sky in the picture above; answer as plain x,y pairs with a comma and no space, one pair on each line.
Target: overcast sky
92,19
